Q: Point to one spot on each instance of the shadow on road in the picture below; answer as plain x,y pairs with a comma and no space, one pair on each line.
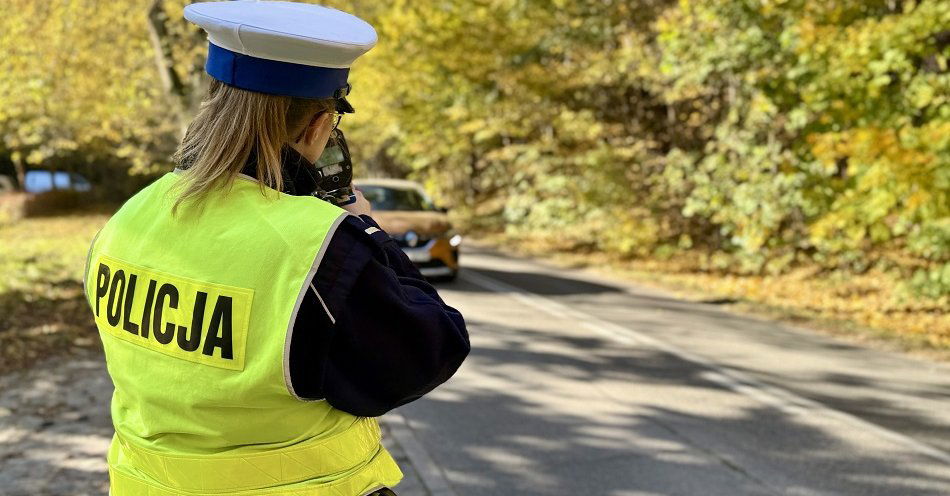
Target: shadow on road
544,284
658,316
503,433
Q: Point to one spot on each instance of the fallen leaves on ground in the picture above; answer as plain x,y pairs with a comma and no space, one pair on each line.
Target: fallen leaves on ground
42,308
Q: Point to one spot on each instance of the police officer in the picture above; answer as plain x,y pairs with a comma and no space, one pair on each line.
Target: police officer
252,330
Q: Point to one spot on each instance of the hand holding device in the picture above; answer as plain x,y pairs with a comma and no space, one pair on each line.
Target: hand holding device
360,206
336,171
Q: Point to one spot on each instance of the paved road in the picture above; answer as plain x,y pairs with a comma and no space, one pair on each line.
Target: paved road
579,384
583,385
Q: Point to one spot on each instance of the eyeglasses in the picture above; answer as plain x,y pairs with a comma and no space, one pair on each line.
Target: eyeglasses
336,123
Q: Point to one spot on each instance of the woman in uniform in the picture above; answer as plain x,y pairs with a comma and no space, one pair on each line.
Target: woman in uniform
254,331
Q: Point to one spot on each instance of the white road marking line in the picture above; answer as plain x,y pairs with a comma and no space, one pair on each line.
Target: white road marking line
430,473
784,401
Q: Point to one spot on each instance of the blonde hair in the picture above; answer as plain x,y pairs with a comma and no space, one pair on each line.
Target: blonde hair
233,123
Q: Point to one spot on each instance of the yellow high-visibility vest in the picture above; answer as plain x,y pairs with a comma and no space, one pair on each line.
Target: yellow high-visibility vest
195,312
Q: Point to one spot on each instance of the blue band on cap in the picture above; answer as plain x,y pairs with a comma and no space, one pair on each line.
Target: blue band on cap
273,76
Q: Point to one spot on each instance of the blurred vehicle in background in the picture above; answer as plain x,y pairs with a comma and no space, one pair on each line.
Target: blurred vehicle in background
423,230
44,192
43,181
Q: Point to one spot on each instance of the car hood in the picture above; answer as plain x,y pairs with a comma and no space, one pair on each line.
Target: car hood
423,223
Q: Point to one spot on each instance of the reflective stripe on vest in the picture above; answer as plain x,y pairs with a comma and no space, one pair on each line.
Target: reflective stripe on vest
344,452
195,312
377,469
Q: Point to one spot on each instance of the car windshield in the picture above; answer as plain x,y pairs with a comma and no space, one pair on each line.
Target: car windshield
387,198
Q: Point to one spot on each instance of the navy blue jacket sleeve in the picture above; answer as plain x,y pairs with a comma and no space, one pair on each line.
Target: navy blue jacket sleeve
397,259
372,334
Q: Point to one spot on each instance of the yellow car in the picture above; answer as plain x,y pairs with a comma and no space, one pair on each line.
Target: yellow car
405,211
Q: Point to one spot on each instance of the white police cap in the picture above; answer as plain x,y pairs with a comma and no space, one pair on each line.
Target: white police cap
282,48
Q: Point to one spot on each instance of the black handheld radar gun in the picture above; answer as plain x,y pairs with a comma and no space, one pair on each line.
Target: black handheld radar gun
335,184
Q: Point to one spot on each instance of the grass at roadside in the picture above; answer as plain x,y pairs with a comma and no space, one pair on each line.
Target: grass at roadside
42,308
870,308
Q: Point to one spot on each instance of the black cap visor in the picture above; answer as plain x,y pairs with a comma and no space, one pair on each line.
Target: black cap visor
343,106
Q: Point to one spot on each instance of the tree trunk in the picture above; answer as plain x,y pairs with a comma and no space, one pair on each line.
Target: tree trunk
20,172
158,34
181,89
